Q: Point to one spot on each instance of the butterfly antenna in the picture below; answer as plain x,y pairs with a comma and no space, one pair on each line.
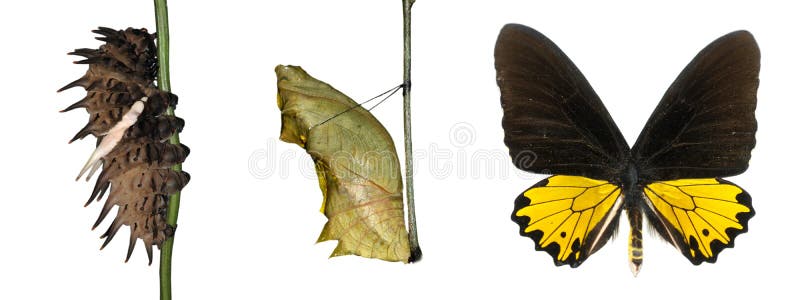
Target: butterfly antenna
387,94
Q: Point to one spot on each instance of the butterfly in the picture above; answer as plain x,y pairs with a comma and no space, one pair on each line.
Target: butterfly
702,130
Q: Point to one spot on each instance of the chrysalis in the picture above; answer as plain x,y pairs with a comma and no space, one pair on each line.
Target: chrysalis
356,163
126,115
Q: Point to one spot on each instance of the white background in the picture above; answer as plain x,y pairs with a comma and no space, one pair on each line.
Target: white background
249,220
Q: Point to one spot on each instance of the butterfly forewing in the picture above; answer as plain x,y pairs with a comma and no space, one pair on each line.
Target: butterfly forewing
554,121
704,126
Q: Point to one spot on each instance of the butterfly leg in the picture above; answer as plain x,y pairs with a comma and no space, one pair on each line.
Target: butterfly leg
635,252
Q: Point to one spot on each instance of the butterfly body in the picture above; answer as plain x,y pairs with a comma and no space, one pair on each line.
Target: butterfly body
702,130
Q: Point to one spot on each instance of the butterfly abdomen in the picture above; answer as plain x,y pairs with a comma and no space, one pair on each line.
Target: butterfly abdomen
127,116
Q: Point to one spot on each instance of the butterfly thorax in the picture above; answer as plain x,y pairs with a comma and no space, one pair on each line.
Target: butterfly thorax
631,184
630,177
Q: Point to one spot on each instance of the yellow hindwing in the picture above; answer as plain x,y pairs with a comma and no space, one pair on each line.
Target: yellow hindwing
561,211
707,213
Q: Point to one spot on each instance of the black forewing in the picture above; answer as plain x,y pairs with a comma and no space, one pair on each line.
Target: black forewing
705,124
554,121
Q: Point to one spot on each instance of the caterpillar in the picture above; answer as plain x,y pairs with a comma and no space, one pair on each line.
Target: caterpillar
127,116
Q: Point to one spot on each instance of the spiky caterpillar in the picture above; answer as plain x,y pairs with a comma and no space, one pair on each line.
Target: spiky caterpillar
126,115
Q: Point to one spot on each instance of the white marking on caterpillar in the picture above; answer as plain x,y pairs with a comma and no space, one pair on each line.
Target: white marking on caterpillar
112,138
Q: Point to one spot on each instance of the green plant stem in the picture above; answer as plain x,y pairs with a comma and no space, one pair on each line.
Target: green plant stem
162,29
416,253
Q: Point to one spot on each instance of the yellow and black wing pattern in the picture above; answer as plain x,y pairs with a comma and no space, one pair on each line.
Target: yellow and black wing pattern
699,216
702,130
555,123
568,216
